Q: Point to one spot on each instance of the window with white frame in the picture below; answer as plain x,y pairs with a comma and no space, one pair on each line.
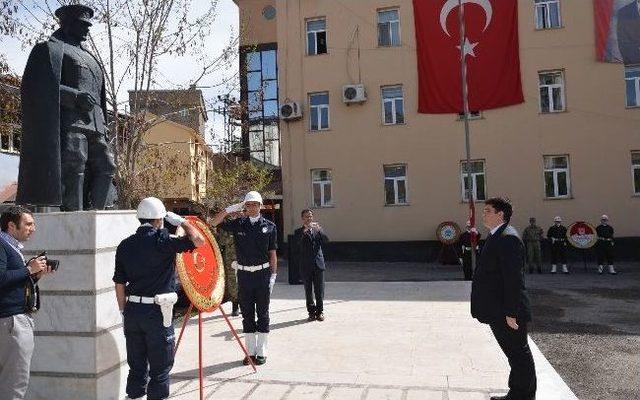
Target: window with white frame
478,181
632,81
392,105
556,177
321,187
319,111
552,97
388,28
635,170
472,115
395,184
547,14
316,37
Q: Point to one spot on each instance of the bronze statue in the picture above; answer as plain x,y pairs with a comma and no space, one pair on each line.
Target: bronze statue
65,159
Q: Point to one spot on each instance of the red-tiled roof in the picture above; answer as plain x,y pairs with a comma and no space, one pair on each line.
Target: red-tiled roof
8,193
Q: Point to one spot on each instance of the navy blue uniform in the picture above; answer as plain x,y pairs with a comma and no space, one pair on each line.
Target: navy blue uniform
253,243
557,235
145,263
604,246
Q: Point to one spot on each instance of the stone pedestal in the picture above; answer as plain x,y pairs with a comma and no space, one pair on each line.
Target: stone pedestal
80,349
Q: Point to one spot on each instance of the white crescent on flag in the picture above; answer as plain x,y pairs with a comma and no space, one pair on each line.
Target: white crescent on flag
450,5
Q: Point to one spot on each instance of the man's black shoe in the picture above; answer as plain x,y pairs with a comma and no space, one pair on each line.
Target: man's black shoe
260,360
320,317
246,360
312,317
539,271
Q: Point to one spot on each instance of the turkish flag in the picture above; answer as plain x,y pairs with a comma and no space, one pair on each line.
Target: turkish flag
491,48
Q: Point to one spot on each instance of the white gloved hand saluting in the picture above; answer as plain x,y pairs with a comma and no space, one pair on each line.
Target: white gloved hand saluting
235,208
174,219
272,282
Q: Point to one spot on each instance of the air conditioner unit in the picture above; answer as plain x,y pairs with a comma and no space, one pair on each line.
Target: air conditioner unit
290,111
354,94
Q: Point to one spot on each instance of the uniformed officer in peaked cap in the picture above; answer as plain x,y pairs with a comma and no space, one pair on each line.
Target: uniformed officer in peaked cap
256,245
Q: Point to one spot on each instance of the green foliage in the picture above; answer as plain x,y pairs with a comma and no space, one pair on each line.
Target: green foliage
228,182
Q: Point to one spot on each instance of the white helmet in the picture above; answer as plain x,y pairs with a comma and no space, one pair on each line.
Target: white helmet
557,219
151,208
253,196
605,217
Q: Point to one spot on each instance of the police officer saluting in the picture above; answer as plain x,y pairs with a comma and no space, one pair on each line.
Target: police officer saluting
256,245
557,235
145,289
605,245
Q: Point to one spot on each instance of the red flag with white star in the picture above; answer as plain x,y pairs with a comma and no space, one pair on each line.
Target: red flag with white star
491,51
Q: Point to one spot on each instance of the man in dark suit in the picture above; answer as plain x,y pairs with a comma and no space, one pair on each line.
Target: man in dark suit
499,297
629,32
309,240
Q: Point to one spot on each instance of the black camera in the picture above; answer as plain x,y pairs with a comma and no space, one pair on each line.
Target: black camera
53,264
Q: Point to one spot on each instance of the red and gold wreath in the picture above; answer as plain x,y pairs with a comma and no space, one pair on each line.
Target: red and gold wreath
201,271
582,235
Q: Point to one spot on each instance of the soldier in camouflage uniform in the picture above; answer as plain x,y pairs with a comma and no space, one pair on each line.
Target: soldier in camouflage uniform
228,250
532,236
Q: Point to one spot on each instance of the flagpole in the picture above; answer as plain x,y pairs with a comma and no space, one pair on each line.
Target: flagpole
465,102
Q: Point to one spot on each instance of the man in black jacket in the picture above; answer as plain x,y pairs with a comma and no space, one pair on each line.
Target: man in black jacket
309,240
499,297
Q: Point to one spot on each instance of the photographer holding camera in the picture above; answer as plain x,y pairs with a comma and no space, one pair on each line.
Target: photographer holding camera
18,299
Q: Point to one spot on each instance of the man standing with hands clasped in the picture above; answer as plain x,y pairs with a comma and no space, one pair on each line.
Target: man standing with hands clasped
256,245
309,240
499,297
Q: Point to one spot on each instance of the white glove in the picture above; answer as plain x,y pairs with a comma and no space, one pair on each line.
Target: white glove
272,282
235,208
174,219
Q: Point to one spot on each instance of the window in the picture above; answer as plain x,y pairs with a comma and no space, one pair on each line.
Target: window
392,105
635,170
395,184
632,81
472,115
184,113
316,37
321,187
260,85
551,91
547,14
478,182
556,176
10,140
388,28
319,111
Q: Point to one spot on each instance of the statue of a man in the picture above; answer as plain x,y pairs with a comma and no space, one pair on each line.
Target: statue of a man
65,159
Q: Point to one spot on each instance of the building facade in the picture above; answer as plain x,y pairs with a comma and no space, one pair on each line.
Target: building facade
381,176
176,131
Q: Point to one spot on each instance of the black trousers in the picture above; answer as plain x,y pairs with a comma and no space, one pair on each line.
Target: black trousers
149,351
605,252
466,266
514,345
558,253
254,296
314,283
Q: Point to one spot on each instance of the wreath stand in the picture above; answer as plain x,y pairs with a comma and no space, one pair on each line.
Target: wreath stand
187,316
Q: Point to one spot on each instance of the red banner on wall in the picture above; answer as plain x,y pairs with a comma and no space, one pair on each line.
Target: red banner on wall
491,50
